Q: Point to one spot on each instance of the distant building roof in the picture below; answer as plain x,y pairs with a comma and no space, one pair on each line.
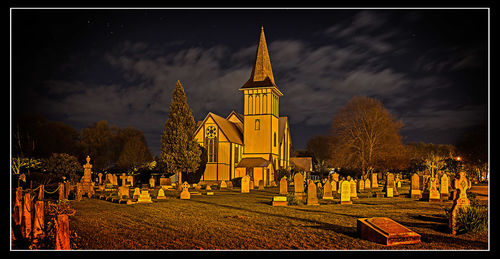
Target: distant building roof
302,163
253,162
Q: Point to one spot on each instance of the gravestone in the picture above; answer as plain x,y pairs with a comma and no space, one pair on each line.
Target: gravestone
161,194
245,184
251,186
444,187
123,191
229,184
354,193
197,187
335,177
389,185
334,186
461,184
207,187
137,193
144,197
415,192
130,180
327,191
100,178
273,184
298,180
283,186
345,192
152,182
223,185
78,192
433,192
386,231
86,179
368,184
164,181
374,181
261,184
185,195
115,179
312,195
361,185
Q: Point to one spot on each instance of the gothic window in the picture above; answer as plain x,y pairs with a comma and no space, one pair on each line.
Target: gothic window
250,106
211,139
257,124
275,139
257,104
236,154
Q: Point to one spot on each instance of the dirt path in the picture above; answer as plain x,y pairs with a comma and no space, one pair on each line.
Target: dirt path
481,191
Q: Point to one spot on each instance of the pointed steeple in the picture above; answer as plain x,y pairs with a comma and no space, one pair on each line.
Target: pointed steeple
262,73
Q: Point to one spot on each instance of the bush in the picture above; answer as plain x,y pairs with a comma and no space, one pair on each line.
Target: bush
292,200
472,219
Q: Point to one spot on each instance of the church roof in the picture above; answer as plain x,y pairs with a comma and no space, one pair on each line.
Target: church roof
302,163
262,73
229,129
253,162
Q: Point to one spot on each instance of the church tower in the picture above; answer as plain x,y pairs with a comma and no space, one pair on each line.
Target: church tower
261,108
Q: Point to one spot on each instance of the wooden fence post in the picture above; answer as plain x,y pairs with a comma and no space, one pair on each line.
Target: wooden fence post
18,206
38,224
62,235
61,191
26,219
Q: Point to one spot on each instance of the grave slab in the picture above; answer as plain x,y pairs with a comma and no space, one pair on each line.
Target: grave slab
386,231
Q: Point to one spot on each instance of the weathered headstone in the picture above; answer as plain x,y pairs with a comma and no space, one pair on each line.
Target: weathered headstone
136,194
461,184
245,184
345,192
283,186
434,195
368,184
389,185
100,178
115,179
161,195
207,188
334,186
185,195
415,192
223,185
386,231
361,184
327,191
354,193
130,180
261,184
229,184
79,192
152,182
123,177
86,179
298,180
123,191
312,195
444,190
335,177
251,186
374,181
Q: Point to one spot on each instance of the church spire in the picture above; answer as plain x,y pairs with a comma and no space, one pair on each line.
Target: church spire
262,73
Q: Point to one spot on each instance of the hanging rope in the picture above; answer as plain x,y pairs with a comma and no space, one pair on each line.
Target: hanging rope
53,191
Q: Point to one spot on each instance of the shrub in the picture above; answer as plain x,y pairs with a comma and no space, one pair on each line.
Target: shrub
292,200
472,219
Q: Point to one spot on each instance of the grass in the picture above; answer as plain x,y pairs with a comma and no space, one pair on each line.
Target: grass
232,220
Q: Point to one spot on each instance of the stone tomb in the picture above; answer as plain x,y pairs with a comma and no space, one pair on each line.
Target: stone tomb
261,184
283,186
144,197
280,201
386,231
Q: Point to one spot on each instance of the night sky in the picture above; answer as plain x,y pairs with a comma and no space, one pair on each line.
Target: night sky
429,67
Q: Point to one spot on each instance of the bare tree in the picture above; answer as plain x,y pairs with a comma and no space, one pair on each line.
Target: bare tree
365,136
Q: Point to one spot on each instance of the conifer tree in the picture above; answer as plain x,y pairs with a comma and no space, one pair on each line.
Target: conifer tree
179,150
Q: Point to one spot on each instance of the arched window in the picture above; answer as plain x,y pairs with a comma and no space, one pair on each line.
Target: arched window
275,139
257,124
250,104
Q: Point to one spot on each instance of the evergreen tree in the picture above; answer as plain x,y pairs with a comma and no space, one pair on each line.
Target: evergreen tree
179,150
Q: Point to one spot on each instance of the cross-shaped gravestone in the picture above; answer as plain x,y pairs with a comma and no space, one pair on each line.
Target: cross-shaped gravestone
462,184
123,177
185,185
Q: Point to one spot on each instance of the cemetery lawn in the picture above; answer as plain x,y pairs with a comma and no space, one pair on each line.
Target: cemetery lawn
236,221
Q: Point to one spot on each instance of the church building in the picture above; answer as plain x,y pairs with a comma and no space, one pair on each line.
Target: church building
255,143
